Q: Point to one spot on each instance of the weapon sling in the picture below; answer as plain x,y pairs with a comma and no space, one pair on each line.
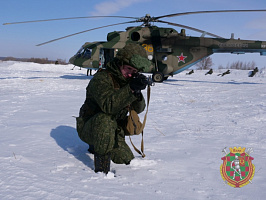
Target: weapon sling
141,151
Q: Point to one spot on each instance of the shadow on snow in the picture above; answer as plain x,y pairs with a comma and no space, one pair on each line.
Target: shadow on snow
170,82
67,138
76,77
81,77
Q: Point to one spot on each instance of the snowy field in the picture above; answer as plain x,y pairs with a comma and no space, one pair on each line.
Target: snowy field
191,119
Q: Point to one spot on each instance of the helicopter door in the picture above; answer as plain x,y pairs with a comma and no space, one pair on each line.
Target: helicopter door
106,55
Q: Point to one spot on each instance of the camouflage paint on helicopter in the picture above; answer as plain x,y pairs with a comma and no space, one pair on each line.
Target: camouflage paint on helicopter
170,52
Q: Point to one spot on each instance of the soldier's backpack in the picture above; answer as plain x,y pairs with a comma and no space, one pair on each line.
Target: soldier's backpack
133,126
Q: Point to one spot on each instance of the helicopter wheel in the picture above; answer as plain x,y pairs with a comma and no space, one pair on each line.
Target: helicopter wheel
158,77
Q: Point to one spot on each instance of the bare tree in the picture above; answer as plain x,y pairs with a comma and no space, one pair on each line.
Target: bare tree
205,63
242,66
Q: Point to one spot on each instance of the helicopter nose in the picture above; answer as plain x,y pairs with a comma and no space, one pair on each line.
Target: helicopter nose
72,59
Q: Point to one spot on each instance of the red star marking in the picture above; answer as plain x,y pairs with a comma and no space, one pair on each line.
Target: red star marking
182,58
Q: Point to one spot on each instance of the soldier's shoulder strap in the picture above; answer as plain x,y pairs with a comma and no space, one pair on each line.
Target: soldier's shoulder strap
141,151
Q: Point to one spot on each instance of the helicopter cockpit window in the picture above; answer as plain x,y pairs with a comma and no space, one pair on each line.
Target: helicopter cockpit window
84,53
78,54
87,53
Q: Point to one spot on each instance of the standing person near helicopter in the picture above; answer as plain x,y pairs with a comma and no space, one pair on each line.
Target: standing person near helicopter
109,95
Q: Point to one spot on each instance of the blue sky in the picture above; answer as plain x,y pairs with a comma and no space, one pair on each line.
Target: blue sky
20,40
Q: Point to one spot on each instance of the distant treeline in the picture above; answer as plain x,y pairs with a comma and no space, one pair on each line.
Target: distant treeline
206,63
35,60
240,65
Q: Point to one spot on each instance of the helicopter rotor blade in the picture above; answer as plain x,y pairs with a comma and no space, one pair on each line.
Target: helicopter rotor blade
68,18
191,28
210,11
83,32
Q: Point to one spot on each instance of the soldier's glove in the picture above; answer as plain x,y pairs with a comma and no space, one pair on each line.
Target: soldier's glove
138,82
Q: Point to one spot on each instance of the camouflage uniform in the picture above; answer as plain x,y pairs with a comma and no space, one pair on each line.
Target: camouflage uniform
108,98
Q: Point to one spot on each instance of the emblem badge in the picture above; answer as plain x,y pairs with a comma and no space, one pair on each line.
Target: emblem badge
181,58
237,169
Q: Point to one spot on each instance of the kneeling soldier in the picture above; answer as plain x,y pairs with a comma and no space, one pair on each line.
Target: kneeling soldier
109,95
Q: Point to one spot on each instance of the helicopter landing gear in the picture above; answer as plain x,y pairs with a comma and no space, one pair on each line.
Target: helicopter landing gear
158,77
165,78
74,67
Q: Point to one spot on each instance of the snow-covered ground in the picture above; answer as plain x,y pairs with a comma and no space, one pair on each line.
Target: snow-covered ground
191,119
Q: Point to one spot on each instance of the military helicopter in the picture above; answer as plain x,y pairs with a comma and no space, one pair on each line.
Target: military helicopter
170,52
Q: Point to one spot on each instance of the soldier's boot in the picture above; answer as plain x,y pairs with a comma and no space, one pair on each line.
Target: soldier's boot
102,163
91,149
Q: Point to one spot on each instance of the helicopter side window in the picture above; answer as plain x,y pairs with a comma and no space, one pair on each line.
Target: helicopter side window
135,36
164,58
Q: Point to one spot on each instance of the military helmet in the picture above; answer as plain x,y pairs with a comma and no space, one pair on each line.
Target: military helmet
134,55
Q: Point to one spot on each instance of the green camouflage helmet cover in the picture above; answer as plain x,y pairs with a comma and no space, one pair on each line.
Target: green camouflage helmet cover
135,56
